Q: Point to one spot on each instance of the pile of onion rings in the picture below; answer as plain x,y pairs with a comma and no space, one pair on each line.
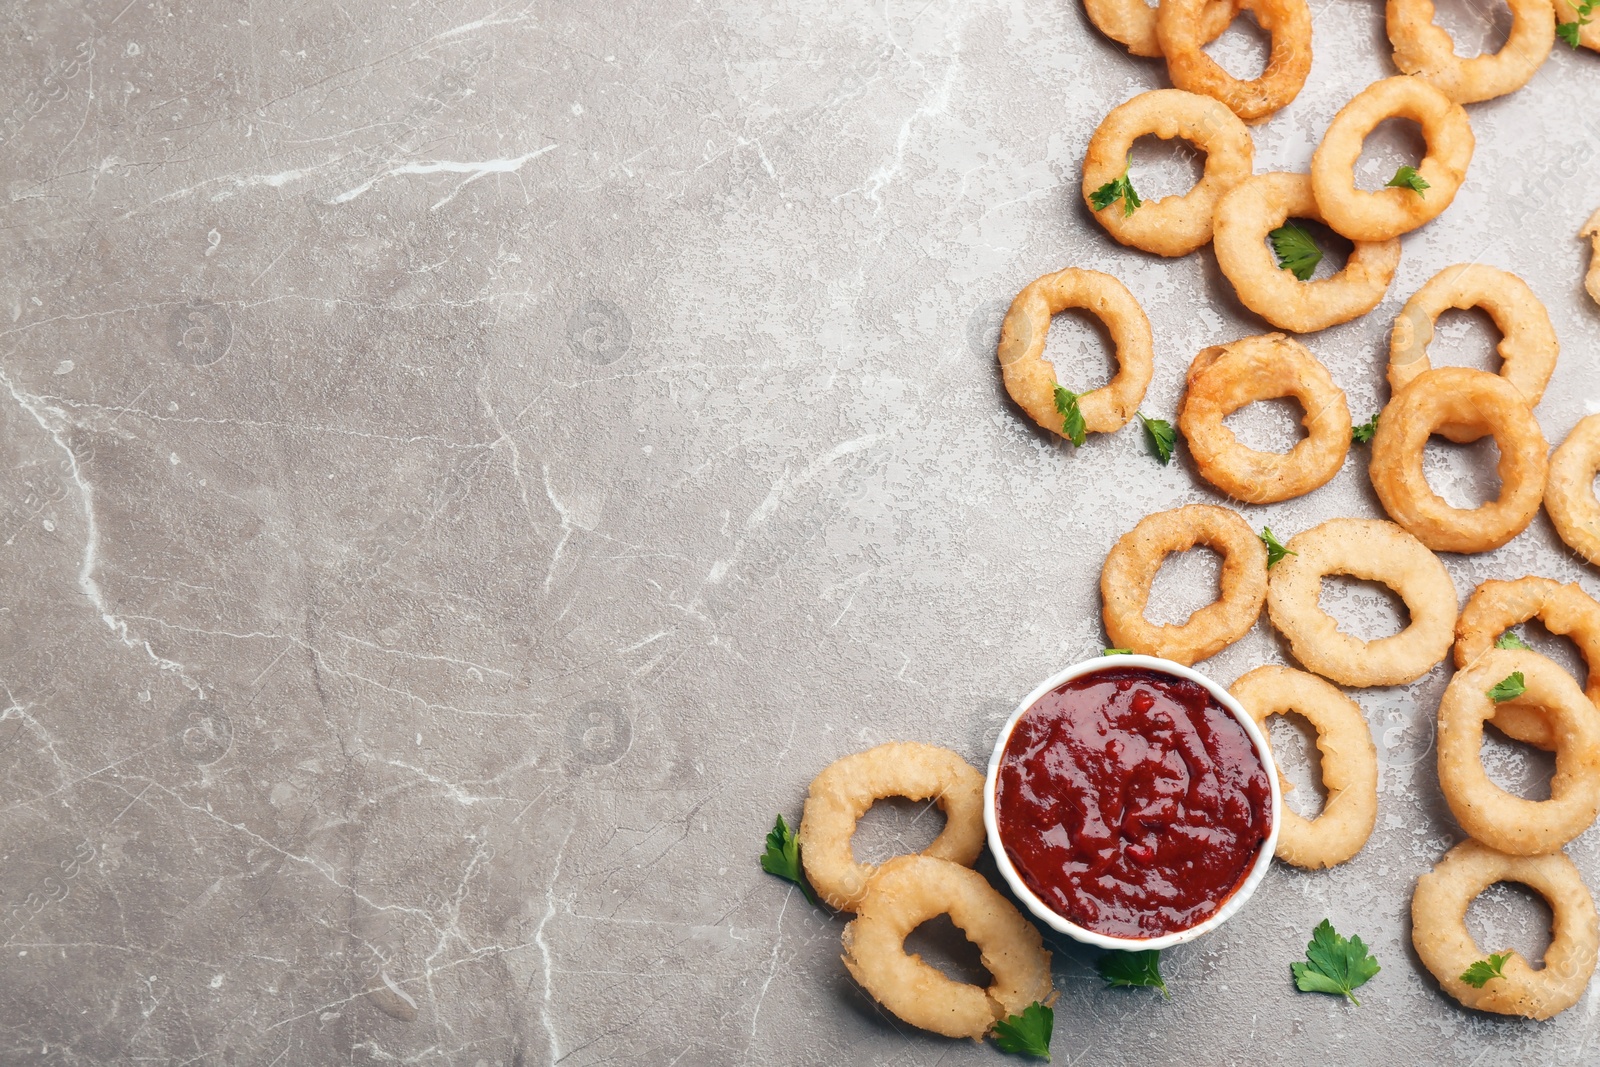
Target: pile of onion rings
894,898
1225,378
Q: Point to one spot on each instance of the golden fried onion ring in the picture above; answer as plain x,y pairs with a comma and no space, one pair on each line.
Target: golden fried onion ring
1390,212
1174,225
1131,567
1031,380
844,791
1375,551
1439,930
1349,763
1588,35
1488,813
1178,31
1591,228
1496,606
1424,49
1132,23
1528,346
1569,491
906,892
1224,378
1460,396
1261,204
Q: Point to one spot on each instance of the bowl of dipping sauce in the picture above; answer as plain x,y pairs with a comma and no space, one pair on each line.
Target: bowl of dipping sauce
1131,803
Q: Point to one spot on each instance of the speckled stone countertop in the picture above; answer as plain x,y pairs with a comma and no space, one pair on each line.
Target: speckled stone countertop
467,466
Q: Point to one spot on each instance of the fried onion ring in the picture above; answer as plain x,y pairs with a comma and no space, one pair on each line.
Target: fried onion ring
1488,813
1528,346
1261,204
1591,228
1131,567
1132,23
1496,606
1588,35
906,892
1031,380
1569,491
1424,49
844,791
1174,225
1390,212
1224,378
1439,930
1349,763
1178,31
1376,551
1460,396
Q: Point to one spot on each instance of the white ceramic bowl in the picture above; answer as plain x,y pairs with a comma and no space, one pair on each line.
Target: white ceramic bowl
1053,919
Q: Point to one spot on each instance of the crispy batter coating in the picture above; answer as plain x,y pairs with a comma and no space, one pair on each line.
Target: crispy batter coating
1569,489
1426,50
846,788
906,892
1178,30
1439,930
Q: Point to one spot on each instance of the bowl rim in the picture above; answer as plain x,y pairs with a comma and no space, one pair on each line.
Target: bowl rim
1053,919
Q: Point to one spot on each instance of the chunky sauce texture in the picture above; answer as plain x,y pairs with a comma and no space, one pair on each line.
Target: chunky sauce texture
1131,802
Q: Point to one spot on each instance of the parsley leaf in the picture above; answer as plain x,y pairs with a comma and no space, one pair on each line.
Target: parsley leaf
1364,433
1408,178
1275,551
1160,436
1028,1033
1478,975
1296,249
1510,688
1116,652
782,857
1510,640
1569,31
1072,427
1336,965
1132,969
1119,188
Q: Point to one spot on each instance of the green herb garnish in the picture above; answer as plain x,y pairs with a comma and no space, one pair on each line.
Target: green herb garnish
1119,188
1511,641
1478,975
1161,438
782,857
1296,249
1072,427
1510,688
1028,1033
1408,178
1334,965
1364,433
1275,551
1133,969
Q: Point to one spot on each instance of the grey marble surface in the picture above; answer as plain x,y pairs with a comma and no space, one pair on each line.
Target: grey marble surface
467,466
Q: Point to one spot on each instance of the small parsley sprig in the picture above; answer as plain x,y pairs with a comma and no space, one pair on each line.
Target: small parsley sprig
1510,640
1569,31
1029,1033
1160,436
782,857
1128,970
1510,688
1296,249
1334,965
1072,427
1363,434
1118,188
1116,652
1477,976
1275,550
1408,178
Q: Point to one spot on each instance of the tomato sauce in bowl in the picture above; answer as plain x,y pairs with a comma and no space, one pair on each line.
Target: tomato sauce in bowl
1132,803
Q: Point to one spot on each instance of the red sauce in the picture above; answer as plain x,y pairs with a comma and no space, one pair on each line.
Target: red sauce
1132,802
